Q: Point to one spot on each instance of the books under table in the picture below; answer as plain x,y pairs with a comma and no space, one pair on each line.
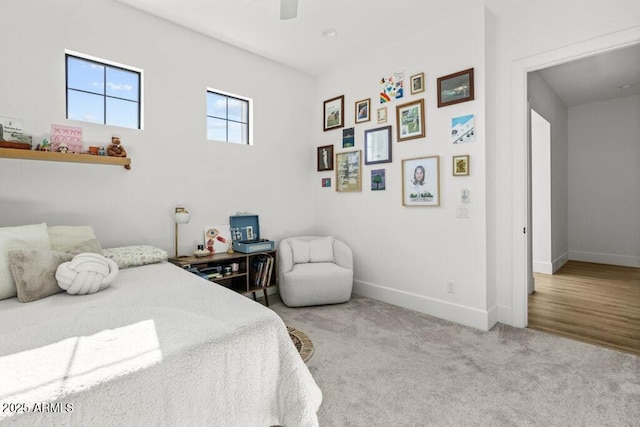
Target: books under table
262,270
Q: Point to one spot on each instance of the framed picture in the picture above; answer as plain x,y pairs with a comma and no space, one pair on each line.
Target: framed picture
421,181
334,113
362,110
349,171
462,129
461,165
382,115
417,83
377,145
325,158
410,120
378,181
348,137
326,182
217,238
455,88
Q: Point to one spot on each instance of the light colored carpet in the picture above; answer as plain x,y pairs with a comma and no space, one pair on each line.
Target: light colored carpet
382,365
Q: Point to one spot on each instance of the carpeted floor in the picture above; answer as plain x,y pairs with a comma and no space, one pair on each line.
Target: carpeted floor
382,365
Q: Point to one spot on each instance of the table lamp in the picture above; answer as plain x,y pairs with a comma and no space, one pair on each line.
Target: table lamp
181,216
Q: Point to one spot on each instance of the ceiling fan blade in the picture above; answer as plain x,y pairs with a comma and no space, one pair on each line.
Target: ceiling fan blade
288,9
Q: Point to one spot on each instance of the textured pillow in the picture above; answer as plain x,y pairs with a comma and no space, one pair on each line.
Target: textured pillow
133,256
86,274
65,237
300,249
26,236
321,250
91,245
34,272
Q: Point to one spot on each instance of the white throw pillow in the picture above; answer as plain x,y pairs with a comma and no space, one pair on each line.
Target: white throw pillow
33,236
321,250
65,237
300,249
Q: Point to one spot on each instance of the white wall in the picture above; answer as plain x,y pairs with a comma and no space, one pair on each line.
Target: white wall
172,162
541,194
604,182
551,107
406,255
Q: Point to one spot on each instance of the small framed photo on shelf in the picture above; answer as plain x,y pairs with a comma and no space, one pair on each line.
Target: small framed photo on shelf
417,83
455,88
382,115
349,171
421,181
362,110
461,165
377,145
333,113
410,120
325,158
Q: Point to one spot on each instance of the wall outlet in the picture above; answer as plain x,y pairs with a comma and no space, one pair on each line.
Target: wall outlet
451,288
462,212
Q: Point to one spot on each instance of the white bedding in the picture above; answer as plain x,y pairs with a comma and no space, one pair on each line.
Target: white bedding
160,346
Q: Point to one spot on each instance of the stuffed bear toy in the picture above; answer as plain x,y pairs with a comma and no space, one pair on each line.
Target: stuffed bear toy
117,150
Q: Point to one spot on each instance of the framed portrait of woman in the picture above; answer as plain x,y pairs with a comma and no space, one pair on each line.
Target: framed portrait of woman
421,181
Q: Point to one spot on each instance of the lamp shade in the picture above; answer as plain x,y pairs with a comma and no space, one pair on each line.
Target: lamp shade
182,216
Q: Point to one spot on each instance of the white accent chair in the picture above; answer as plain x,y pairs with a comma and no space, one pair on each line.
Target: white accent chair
314,270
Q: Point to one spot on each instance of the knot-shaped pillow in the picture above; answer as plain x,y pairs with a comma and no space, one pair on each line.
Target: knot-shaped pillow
86,273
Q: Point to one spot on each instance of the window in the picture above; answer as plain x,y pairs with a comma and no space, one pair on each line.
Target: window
228,118
98,92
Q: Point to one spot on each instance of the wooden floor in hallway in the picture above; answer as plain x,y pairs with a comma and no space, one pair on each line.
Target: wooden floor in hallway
595,303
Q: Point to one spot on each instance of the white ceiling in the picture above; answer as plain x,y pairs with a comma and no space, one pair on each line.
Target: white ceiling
365,25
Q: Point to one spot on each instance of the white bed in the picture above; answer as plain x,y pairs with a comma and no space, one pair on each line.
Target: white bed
160,346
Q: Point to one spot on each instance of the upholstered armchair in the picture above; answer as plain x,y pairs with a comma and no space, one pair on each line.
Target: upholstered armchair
314,270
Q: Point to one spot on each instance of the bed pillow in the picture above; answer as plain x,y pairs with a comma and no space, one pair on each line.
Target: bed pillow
33,236
135,255
315,250
66,237
86,273
34,272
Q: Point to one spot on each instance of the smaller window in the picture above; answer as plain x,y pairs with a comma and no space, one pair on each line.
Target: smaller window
104,93
228,118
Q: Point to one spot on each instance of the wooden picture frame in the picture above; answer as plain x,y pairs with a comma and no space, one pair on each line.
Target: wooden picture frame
410,123
363,110
461,165
417,83
455,88
333,113
349,171
382,115
325,158
377,145
421,181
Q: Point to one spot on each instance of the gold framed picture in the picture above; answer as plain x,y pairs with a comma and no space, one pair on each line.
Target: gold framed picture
461,165
349,171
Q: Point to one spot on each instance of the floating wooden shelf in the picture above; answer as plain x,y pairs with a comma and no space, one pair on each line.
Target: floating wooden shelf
13,153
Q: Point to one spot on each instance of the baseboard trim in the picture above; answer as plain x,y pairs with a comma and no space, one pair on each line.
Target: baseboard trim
560,261
598,258
468,316
542,267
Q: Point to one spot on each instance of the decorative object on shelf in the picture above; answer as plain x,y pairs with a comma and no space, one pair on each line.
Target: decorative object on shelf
325,158
362,110
461,165
349,171
348,137
94,150
63,148
417,83
10,129
377,145
421,181
378,181
200,252
455,88
245,230
102,151
410,120
462,129
69,135
391,87
333,113
217,238
116,150
181,216
382,115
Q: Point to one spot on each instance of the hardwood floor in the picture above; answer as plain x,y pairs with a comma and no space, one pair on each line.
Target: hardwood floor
595,303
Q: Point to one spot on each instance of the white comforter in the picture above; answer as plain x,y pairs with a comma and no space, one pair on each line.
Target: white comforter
159,347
